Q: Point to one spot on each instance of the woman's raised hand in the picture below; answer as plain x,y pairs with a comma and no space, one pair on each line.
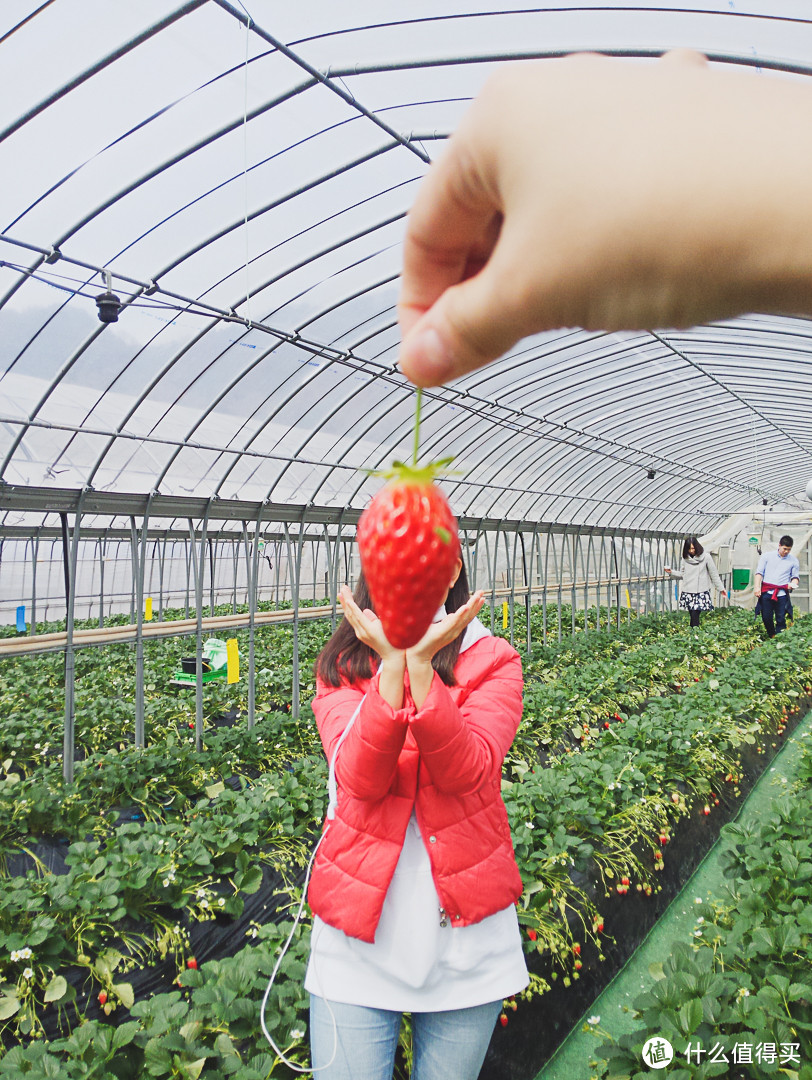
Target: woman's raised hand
367,627
441,633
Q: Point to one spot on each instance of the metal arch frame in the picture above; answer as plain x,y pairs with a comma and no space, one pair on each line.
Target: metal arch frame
564,9
274,204
122,50
297,388
502,407
611,358
761,64
650,455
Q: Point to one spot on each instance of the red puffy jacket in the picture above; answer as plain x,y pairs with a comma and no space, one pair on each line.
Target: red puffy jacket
445,762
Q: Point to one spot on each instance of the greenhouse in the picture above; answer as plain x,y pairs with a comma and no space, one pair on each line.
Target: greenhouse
204,209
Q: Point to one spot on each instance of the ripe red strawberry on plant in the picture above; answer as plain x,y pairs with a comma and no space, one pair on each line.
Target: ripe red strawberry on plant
408,542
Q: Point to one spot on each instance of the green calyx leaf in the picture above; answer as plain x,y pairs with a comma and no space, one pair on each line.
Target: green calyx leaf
402,473
444,534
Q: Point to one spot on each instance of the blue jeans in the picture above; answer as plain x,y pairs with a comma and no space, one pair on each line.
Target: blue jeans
778,610
447,1045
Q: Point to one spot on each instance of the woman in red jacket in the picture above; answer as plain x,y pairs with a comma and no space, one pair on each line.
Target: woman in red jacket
414,885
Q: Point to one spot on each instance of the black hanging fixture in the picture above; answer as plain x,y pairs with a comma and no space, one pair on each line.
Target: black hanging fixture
108,303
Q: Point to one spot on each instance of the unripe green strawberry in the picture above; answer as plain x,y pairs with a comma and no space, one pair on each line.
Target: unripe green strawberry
408,541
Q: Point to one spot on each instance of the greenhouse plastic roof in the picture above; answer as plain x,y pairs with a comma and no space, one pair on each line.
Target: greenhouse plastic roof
239,175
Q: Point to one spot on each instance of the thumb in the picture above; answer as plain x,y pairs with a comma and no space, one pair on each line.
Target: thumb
468,326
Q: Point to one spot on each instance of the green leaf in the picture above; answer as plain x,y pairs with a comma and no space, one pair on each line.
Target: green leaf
125,1033
56,989
190,1070
124,992
251,880
9,1005
690,1016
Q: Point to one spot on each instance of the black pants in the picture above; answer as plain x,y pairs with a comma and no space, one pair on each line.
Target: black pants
695,617
774,613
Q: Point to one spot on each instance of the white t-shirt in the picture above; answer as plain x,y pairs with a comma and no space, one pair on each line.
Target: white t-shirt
416,964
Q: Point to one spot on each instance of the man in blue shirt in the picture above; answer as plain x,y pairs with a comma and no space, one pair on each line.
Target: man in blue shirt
777,574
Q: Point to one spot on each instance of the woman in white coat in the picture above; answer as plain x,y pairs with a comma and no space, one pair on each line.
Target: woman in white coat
698,574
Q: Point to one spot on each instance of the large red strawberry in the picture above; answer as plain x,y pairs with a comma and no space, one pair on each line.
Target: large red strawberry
408,541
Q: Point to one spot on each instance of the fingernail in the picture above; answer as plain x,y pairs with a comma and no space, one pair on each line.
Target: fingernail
429,361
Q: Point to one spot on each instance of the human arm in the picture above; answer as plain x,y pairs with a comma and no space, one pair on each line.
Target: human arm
795,572
369,630
438,635
758,580
367,762
713,574
369,754
462,747
611,195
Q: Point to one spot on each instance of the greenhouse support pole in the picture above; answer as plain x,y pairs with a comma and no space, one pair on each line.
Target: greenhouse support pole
616,576
604,585
294,696
545,581
526,580
70,714
569,543
212,562
588,564
140,549
625,576
294,710
335,560
491,573
252,574
530,575
198,563
34,557
247,552
101,545
473,569
235,566
510,566
160,549
139,642
70,562
559,577
191,567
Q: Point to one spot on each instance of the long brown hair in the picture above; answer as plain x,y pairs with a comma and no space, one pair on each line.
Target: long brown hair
346,659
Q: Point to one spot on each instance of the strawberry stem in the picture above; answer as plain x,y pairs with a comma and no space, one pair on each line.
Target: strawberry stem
417,404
